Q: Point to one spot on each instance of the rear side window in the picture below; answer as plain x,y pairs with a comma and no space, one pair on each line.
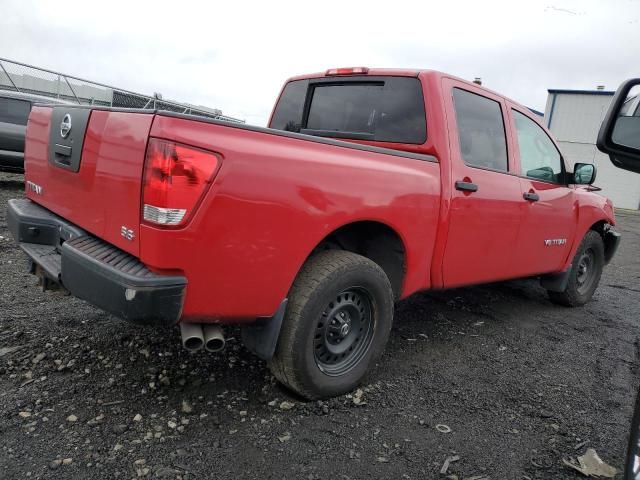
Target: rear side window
481,131
14,111
288,113
385,109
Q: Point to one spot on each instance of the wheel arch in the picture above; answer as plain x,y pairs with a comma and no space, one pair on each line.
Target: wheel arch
603,228
374,240
594,213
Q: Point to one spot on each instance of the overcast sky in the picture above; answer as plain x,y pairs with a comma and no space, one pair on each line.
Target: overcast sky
235,55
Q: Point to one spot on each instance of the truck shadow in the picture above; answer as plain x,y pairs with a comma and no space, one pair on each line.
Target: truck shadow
426,324
428,328
435,342
11,182
497,303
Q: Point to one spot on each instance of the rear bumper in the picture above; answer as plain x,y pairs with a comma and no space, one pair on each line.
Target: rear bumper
92,269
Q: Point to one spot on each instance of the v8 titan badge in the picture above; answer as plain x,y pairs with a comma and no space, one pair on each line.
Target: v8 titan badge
555,242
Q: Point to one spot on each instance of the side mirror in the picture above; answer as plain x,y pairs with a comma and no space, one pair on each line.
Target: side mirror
584,174
619,134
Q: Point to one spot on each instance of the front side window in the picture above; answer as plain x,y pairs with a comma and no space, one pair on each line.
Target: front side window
480,131
14,111
539,157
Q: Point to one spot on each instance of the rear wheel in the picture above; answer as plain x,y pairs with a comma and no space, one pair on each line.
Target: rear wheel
336,325
586,270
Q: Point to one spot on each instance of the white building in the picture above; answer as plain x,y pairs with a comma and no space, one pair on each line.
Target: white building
574,118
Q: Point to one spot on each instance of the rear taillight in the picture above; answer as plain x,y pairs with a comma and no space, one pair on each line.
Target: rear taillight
175,178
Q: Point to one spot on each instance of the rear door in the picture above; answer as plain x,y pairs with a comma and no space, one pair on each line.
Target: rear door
486,203
550,214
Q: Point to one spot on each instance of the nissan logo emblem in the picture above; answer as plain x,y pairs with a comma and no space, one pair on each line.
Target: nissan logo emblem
65,126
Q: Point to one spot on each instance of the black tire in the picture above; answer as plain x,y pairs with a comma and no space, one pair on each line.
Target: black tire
632,462
316,356
586,270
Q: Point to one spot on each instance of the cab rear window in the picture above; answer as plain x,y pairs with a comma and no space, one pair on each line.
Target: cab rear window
383,109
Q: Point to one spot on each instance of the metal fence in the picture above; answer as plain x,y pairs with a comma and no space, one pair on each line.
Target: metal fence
25,78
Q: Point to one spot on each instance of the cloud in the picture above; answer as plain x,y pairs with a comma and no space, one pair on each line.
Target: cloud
236,55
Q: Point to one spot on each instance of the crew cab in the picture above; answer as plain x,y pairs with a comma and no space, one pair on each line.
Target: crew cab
369,185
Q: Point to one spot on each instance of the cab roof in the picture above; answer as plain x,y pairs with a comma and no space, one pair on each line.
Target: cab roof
399,72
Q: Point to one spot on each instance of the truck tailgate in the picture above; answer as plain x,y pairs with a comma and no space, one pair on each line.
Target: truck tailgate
91,174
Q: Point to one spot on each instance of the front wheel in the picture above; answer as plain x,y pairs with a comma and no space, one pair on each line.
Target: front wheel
336,325
586,270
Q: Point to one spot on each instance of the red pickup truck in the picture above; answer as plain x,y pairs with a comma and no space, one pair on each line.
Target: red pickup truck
369,185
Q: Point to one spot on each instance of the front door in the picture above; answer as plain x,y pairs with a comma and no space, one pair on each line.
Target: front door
486,201
550,217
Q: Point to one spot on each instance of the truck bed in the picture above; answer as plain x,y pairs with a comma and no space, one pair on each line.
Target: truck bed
276,196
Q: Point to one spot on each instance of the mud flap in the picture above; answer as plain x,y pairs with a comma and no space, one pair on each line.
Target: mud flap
556,282
611,243
261,337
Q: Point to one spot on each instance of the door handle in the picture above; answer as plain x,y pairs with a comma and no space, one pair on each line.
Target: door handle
466,186
531,196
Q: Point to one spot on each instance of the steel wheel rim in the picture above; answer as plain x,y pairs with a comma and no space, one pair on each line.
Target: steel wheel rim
344,332
586,270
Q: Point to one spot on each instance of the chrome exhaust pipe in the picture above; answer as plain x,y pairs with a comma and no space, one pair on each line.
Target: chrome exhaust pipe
213,338
192,336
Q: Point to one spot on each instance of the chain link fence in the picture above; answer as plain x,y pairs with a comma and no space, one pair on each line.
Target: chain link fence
25,78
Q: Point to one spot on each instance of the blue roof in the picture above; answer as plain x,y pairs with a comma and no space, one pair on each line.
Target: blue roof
581,92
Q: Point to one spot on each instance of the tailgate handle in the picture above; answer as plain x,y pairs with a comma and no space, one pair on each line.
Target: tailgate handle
62,150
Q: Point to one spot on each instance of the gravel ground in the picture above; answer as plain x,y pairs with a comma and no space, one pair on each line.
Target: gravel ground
515,383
